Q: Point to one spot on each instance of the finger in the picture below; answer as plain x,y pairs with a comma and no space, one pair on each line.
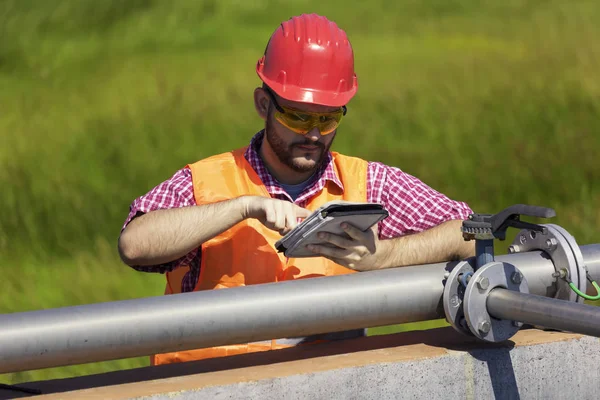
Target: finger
290,218
353,231
288,224
270,214
280,214
337,240
301,212
328,252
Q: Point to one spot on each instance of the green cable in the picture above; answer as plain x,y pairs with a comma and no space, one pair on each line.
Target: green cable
585,296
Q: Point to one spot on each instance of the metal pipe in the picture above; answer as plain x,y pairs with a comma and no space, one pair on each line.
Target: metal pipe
537,268
131,328
543,311
591,257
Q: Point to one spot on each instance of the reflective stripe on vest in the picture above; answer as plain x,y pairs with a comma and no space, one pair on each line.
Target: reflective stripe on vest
230,259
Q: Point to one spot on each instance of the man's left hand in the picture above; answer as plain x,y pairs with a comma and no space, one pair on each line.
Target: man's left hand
361,251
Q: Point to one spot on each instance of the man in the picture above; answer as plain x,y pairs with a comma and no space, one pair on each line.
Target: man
214,223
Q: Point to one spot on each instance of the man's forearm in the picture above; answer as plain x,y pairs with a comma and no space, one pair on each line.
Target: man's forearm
441,243
165,235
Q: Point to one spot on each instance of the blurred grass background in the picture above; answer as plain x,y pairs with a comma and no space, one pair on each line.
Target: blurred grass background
493,103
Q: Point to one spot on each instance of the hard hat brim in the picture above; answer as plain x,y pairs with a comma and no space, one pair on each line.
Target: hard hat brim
306,95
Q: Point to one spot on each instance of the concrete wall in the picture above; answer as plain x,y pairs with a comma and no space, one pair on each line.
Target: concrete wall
436,364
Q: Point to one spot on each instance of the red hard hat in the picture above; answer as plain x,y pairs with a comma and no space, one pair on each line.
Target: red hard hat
310,60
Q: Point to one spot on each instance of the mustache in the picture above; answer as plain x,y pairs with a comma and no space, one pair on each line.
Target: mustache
309,143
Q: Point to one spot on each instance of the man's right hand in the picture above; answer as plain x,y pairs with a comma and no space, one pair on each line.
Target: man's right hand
278,215
161,236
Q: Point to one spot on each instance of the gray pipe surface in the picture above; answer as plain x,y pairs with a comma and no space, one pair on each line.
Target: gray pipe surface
543,311
132,328
591,257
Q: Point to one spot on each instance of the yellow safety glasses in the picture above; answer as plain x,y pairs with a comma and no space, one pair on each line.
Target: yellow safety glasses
303,122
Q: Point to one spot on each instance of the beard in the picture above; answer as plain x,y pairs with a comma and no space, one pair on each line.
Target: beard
284,151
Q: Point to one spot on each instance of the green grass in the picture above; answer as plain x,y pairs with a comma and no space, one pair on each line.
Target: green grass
493,103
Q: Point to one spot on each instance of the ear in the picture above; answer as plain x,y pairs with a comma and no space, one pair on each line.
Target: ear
261,102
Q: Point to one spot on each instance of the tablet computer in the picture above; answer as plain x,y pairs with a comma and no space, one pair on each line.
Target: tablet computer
328,218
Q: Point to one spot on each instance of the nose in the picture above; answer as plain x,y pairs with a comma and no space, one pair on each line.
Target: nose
313,135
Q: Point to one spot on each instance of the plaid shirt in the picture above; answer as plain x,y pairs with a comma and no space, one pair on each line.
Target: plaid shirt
412,205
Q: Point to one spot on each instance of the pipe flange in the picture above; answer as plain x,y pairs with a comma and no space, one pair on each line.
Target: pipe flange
579,278
487,278
454,292
564,252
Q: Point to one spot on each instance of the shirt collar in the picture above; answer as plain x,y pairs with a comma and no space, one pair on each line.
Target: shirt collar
325,173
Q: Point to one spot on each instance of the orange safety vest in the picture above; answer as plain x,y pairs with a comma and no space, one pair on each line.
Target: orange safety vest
231,258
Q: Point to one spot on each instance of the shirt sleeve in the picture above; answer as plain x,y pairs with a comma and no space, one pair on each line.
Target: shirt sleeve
412,205
173,193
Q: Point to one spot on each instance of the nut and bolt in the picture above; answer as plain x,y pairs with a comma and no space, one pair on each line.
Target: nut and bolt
484,327
560,274
550,243
513,249
523,239
483,283
455,301
516,277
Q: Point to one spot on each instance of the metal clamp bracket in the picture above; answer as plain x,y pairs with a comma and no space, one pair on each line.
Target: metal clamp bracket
484,228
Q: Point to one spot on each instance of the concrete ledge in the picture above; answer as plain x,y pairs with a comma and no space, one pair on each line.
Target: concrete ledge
434,364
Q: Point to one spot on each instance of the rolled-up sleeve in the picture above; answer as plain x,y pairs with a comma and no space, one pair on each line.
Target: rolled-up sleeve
413,206
175,192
